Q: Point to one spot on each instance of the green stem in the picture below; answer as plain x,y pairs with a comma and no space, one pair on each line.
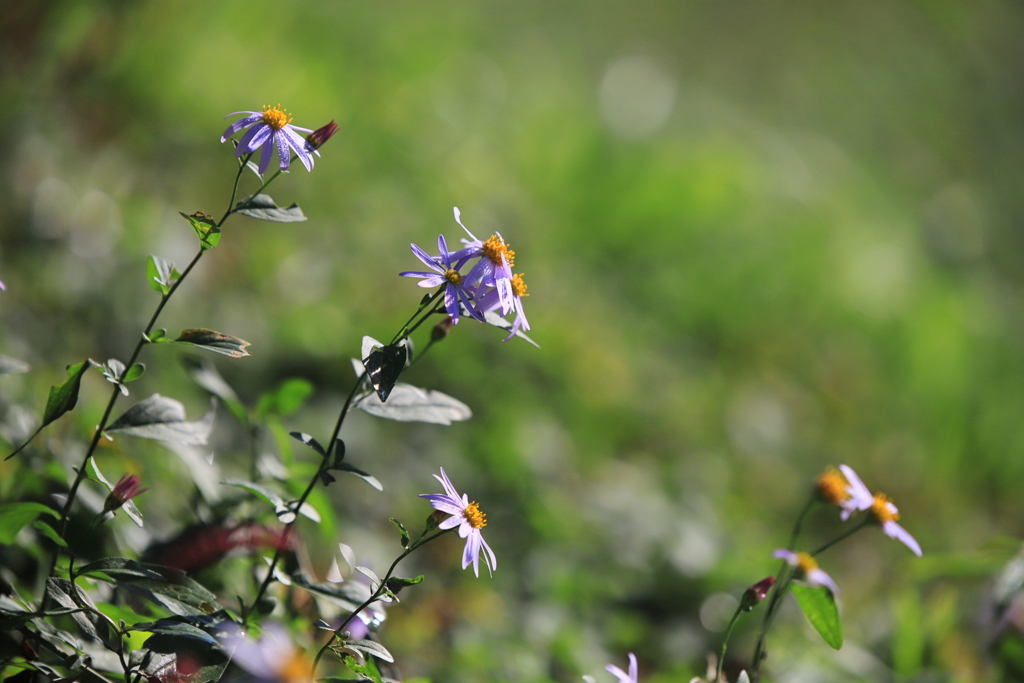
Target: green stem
404,331
781,583
419,542
725,642
842,537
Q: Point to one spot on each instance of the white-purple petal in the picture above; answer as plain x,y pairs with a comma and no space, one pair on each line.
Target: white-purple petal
458,217
426,259
894,530
283,154
265,158
240,123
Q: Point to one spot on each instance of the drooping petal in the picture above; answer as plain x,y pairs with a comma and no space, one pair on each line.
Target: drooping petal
442,249
894,530
471,553
489,559
299,145
458,219
448,486
818,577
451,303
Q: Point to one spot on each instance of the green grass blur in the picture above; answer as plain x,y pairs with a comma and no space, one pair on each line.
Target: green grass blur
760,238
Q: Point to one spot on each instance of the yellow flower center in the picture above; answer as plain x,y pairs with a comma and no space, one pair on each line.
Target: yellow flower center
805,563
452,276
473,515
275,117
518,286
880,509
494,248
831,487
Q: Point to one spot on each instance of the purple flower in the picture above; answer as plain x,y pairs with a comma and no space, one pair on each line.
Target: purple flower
844,489
491,301
273,129
807,569
886,514
622,675
126,488
468,518
494,269
445,272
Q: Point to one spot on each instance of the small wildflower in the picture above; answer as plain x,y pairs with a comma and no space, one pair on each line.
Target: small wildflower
318,137
622,675
886,514
272,130
468,517
446,270
756,593
126,488
491,301
494,269
807,569
844,489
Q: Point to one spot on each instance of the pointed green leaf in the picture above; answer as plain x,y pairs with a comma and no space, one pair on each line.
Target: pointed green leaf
218,342
263,208
285,399
163,419
407,403
205,227
158,336
64,397
14,516
134,372
819,607
47,530
402,530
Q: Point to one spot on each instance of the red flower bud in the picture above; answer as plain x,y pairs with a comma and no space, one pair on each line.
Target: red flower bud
756,593
318,137
126,488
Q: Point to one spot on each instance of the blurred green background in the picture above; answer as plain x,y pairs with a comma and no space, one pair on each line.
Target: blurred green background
760,238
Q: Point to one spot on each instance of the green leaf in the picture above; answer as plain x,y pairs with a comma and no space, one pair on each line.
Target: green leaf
396,583
402,530
819,607
134,372
407,403
263,208
158,336
204,373
218,342
163,419
179,657
90,623
161,274
64,397
175,626
285,510
47,530
169,588
285,399
120,567
14,516
205,227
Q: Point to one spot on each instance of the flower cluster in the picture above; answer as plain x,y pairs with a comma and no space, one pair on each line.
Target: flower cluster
468,518
489,285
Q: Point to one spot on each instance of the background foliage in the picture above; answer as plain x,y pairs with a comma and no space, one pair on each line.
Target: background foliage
759,239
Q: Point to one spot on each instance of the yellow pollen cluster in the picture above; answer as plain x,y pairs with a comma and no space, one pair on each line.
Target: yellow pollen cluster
494,248
452,276
473,515
880,509
275,117
831,487
805,563
518,286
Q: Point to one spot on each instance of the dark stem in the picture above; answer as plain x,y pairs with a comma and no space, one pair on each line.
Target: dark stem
419,542
404,330
725,641
780,586
842,537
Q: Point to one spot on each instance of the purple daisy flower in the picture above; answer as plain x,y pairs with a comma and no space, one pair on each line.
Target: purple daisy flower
807,569
456,289
492,301
886,514
494,269
468,518
272,129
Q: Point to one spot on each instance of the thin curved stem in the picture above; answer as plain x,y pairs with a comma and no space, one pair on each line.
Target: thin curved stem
842,537
375,595
725,641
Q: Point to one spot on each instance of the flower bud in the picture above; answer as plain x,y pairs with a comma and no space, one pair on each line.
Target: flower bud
318,137
441,330
435,519
756,593
126,488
